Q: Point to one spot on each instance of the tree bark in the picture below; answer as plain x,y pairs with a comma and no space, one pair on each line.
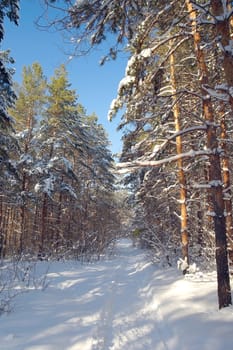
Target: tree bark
44,217
227,191
181,173
215,176
223,38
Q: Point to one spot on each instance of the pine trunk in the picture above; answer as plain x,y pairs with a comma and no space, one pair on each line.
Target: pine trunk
227,191
23,214
43,223
215,176
57,238
223,37
1,229
181,174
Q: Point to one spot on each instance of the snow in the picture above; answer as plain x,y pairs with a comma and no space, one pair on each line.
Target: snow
125,82
146,53
120,302
81,2
215,183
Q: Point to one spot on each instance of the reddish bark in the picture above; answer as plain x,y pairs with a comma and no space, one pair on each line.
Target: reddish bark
215,176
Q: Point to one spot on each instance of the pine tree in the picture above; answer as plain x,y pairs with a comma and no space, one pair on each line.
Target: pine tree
31,98
215,176
180,165
76,172
8,9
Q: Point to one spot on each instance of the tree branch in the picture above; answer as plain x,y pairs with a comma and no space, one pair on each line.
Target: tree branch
123,168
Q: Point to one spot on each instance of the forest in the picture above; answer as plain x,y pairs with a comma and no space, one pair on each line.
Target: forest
62,192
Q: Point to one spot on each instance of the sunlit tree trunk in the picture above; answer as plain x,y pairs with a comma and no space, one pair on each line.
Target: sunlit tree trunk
181,173
222,29
227,190
215,176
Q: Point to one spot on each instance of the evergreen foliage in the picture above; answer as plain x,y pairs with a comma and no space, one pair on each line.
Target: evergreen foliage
65,198
8,145
8,9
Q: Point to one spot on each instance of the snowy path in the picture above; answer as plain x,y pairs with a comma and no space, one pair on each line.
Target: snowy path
124,303
126,321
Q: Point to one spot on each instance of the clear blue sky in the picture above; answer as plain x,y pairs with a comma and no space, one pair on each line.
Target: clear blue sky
96,85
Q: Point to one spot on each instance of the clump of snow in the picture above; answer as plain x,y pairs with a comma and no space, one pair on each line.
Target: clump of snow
125,82
37,187
192,268
115,105
81,2
130,64
182,264
146,53
47,185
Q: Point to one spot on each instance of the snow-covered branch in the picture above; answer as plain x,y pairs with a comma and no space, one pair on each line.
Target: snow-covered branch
125,167
159,148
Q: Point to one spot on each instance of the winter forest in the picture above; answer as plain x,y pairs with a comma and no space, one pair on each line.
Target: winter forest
64,196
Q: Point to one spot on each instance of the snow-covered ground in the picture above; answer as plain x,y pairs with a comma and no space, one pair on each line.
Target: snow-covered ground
120,303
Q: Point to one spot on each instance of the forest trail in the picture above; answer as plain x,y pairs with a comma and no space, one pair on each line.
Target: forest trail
123,302
129,318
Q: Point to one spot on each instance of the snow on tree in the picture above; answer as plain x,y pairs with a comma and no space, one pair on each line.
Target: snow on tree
65,192
154,32
8,145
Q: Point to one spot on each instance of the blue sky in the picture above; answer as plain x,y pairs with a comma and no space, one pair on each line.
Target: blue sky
96,85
